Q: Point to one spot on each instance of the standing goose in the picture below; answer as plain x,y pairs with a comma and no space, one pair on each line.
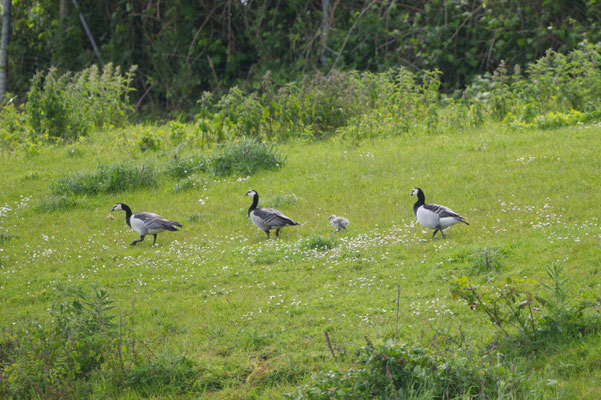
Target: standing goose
338,222
146,222
433,216
267,218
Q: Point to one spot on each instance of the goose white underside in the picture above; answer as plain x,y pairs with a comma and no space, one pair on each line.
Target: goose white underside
432,220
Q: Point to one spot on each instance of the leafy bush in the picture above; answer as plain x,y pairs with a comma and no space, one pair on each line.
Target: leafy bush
148,141
54,203
533,314
487,260
70,105
47,357
395,371
107,178
245,157
184,167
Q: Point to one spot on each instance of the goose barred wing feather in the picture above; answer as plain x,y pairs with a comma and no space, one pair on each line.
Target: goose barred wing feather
442,211
154,221
272,217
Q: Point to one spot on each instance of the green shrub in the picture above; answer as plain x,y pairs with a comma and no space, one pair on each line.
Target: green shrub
487,260
395,371
47,357
68,106
320,243
245,157
521,310
148,141
107,178
184,167
54,203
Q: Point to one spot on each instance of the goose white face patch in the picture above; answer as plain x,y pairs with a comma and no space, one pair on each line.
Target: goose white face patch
332,217
117,207
251,193
414,192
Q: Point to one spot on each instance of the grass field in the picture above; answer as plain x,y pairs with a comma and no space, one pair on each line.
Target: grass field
252,312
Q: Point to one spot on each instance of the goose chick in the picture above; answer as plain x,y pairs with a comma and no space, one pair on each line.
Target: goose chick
146,222
433,216
338,222
267,218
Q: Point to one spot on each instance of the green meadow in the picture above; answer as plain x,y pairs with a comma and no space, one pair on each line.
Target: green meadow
217,311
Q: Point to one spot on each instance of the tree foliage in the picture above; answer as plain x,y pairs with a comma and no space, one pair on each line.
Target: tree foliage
184,47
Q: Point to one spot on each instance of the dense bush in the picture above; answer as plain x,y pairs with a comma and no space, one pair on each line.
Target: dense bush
68,106
188,46
107,178
531,312
244,157
396,371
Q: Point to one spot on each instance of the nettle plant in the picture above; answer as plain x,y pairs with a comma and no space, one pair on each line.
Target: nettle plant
534,310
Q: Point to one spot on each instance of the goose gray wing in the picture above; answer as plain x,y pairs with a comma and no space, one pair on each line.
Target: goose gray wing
442,211
273,217
155,221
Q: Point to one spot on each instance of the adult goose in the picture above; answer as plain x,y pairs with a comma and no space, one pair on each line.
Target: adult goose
338,222
433,216
146,222
267,218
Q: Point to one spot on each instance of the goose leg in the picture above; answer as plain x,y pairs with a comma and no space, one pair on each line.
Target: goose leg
139,240
267,232
277,232
442,233
434,234
155,239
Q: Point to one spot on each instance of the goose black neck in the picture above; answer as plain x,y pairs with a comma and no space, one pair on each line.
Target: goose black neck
127,210
253,206
421,200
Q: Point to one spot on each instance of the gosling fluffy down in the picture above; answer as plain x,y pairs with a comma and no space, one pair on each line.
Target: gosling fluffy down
338,222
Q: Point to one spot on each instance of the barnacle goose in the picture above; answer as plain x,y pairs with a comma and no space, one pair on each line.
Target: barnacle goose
433,216
267,218
338,222
146,222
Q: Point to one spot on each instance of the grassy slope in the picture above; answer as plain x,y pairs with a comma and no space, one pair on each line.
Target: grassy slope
253,312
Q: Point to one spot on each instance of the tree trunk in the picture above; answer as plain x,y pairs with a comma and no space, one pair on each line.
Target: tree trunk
4,47
325,4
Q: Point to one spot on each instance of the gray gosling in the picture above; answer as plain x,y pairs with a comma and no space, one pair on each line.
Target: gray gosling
338,222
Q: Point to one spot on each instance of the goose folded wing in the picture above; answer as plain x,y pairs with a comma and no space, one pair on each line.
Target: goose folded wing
273,217
442,211
154,221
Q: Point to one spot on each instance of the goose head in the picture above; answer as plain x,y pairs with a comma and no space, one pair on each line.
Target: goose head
331,217
416,192
118,207
251,193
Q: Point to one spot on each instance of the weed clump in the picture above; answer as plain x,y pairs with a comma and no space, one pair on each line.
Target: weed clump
245,157
55,203
107,178
395,371
320,243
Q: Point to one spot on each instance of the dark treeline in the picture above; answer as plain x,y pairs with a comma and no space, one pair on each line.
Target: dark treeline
184,47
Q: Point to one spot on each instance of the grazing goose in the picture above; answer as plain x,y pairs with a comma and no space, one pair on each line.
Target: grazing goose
146,222
267,218
338,222
433,216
